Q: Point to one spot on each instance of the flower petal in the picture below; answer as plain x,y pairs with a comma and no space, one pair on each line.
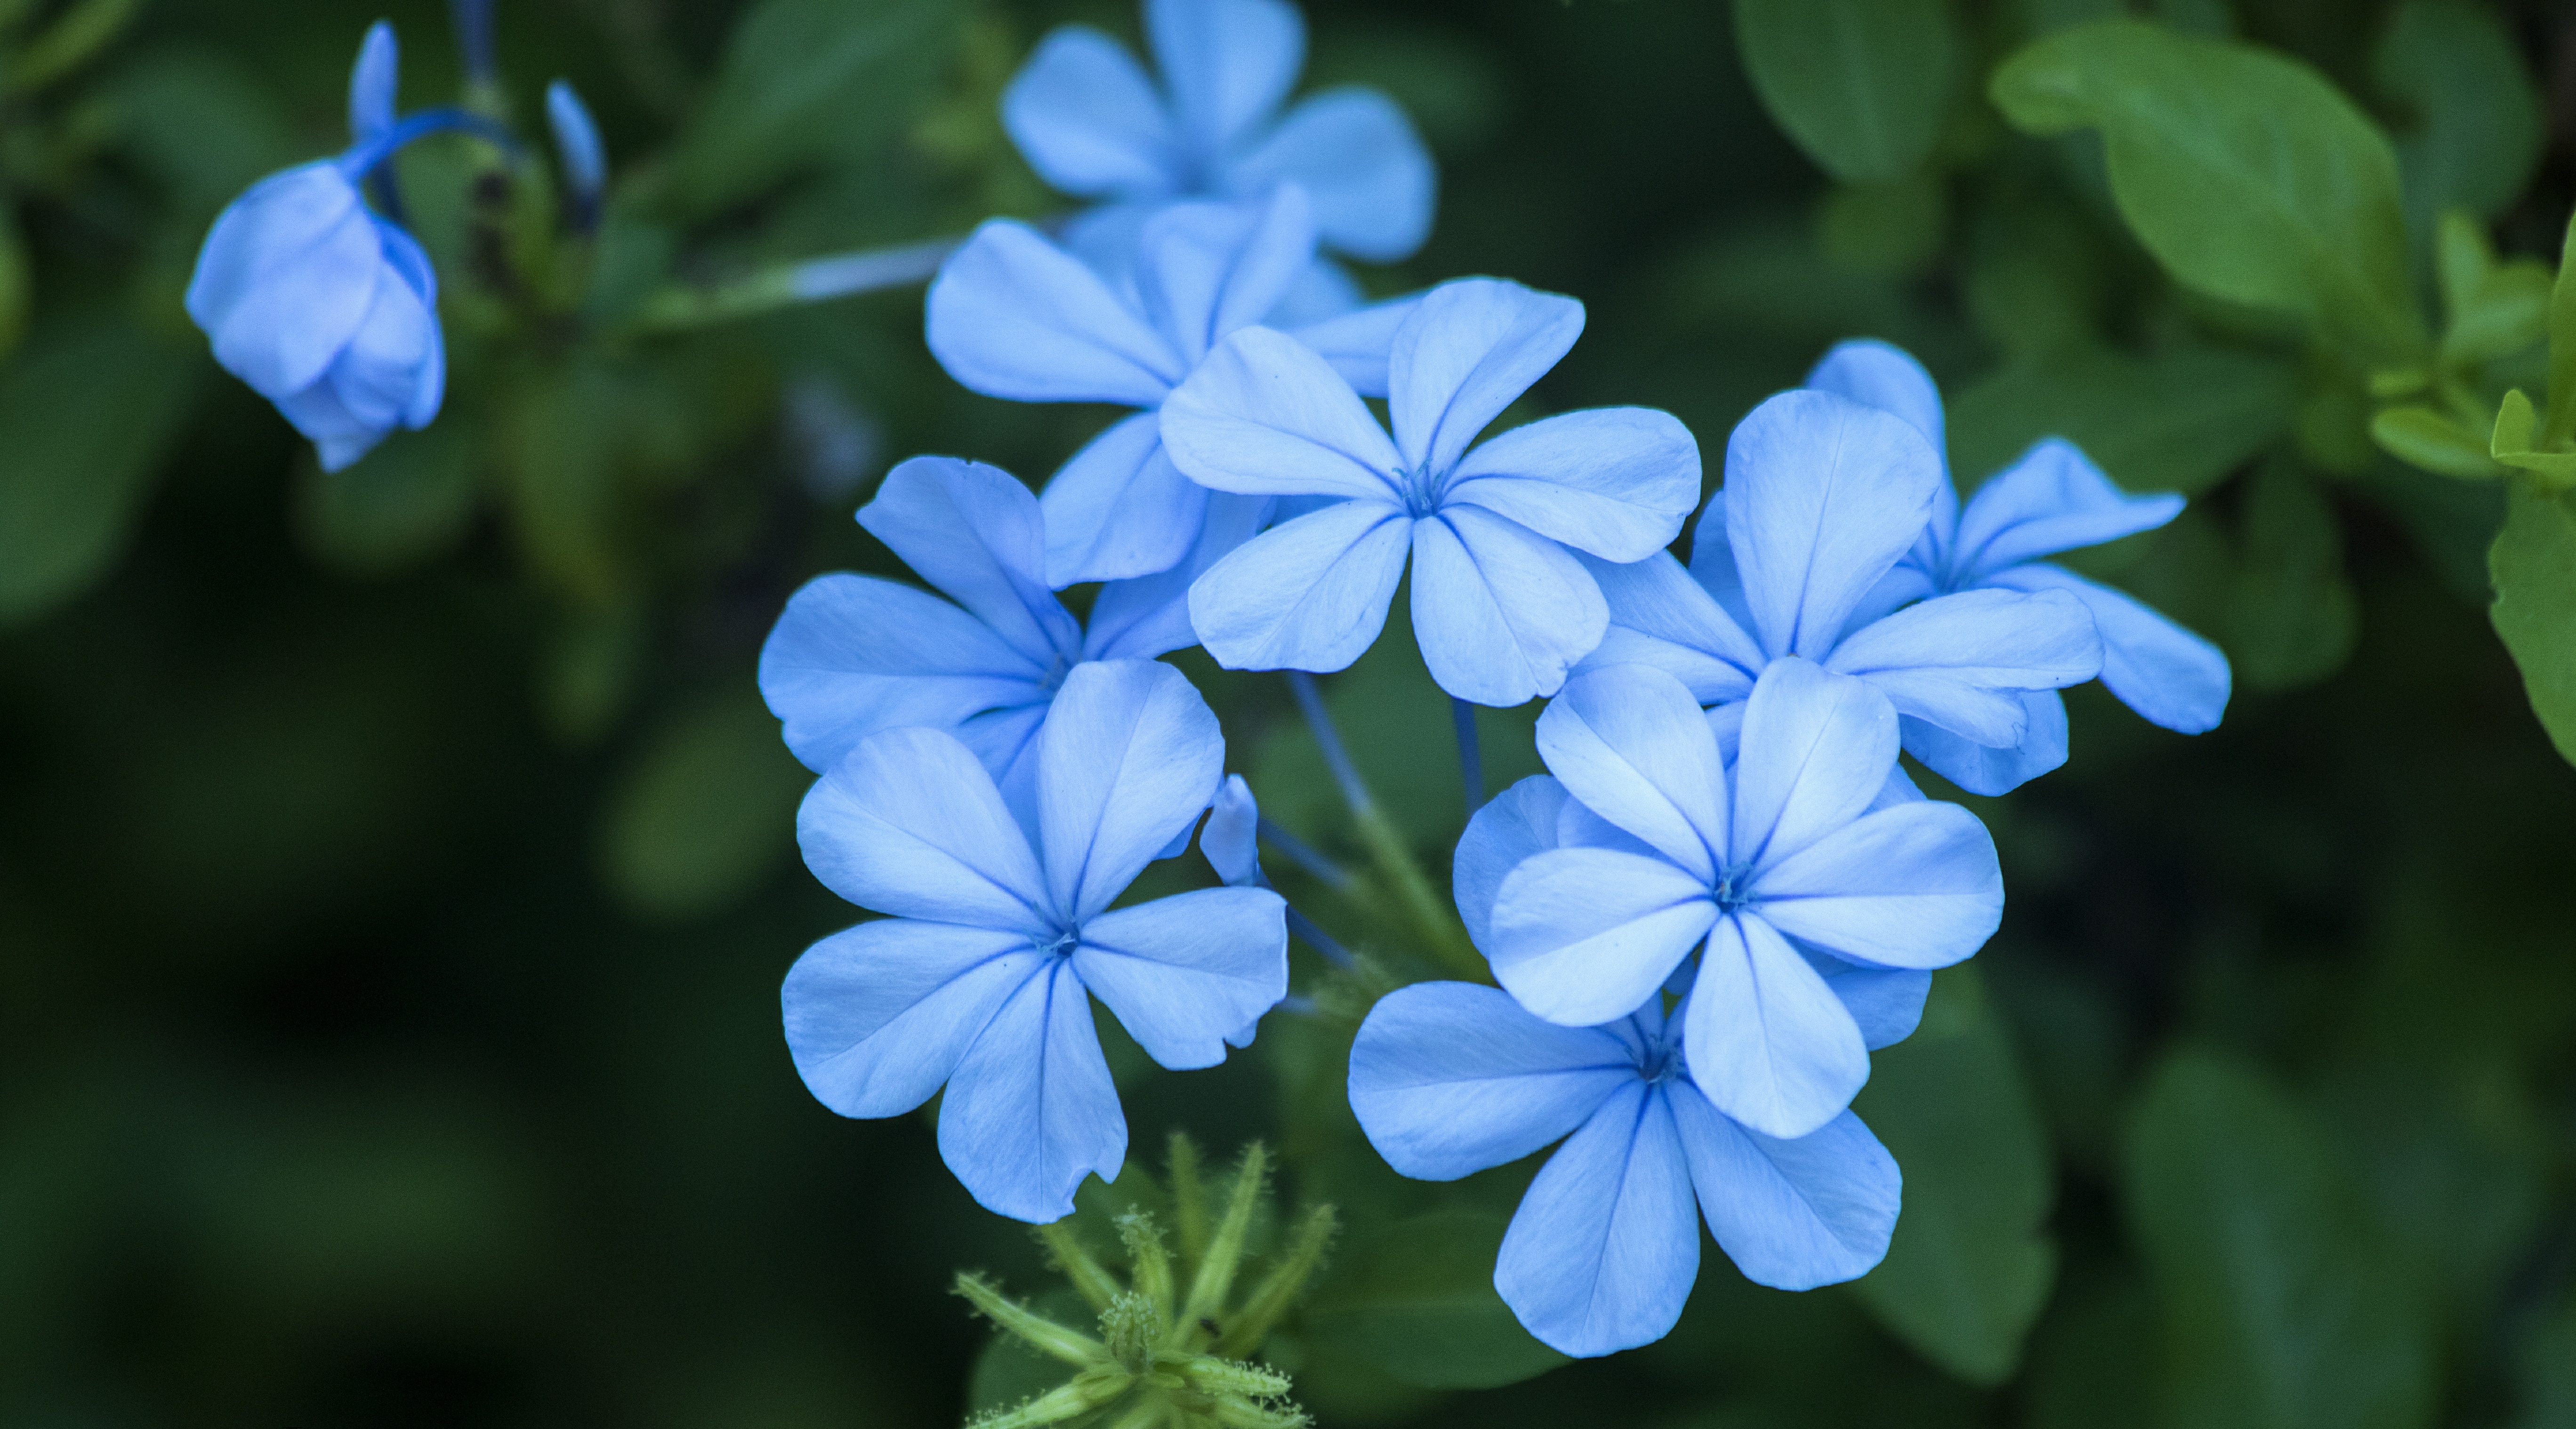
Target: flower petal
1584,935
1183,972
1150,615
1226,63
1822,495
1359,342
1981,769
1308,595
2053,499
1878,374
285,276
1661,617
1087,119
2169,675
1353,149
1119,509
1448,1078
1502,612
1631,744
1030,1110
1886,1003
1602,1252
373,82
1231,837
1473,346
1011,315
878,1015
1816,750
1768,1042
1129,757
1206,269
910,824
854,655
1614,482
1511,826
1961,661
976,533
1911,886
1265,415
1792,1215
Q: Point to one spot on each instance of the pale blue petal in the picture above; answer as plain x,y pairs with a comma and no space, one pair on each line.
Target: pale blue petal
853,655
2166,673
1031,1110
1661,617
910,824
429,380
976,533
1883,375
339,436
1792,1215
285,276
373,82
1712,564
1358,342
1962,661
584,159
1119,508
1005,742
1981,769
1308,595
1511,826
878,1015
1473,346
1264,415
1613,482
1355,152
1448,1078
1226,64
2053,499
1886,1003
1012,315
1206,269
1583,935
1822,496
1183,972
1602,1252
379,375
1106,238
1768,1041
1816,750
1630,743
1914,886
1502,613
1150,615
1087,119
1231,837
1326,290
1129,757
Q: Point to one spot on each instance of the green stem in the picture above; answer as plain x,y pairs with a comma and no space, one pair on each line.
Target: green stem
784,285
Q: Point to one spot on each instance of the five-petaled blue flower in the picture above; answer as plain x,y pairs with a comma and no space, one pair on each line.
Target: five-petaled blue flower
1449,1078
322,306
1823,497
1092,124
2053,499
1503,610
855,655
1805,851
1012,315
1000,927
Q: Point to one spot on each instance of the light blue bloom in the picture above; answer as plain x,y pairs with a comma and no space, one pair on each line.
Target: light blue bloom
999,927
1502,608
1803,855
856,655
1231,837
1089,121
1823,497
322,306
2052,499
1449,1078
1013,315
584,158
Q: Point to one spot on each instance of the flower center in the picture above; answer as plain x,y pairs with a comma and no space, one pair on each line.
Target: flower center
1061,946
1661,1062
1421,492
1731,890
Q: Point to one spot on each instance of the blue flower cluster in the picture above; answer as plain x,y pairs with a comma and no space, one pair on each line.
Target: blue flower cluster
1723,895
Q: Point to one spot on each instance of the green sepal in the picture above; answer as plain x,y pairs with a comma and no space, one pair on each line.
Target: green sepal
2511,444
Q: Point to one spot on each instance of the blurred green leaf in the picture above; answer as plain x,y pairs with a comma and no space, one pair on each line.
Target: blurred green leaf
2533,565
563,437
805,82
400,505
15,297
2281,1307
1417,1301
200,123
1894,227
2426,438
707,809
2545,1365
2490,309
2476,122
2292,617
2245,172
90,409
2037,276
2180,420
1862,85
2087,1366
1971,1264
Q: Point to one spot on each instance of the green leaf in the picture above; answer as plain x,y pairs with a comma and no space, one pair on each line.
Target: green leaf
804,83
2511,443
2247,174
1971,1263
2292,617
2533,564
1417,1302
14,294
200,123
1861,85
562,443
2281,1307
1893,227
2475,127
2423,437
2177,421
706,810
400,505
90,409
2561,426
2490,309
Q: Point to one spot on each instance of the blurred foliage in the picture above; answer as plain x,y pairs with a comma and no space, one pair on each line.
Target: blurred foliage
395,874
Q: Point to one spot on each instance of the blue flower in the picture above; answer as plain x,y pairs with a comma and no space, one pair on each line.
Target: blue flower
1449,1078
1231,838
324,308
1800,867
1823,497
1013,315
1091,123
1000,926
577,146
2053,499
1501,607
856,655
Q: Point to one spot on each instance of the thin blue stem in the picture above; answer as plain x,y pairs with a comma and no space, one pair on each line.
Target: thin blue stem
1304,929
472,21
1471,765
1354,793
361,158
843,274
1304,855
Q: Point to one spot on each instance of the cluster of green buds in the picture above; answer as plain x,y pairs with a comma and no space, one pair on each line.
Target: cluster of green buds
1172,1343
